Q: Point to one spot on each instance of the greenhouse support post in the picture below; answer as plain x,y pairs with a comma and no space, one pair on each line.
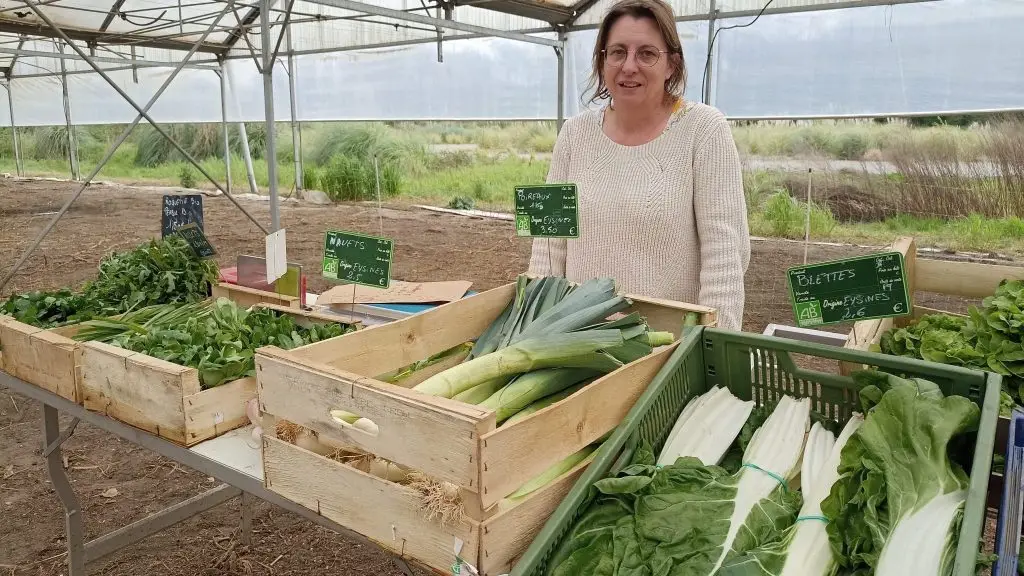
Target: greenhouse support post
712,11
268,103
34,6
76,174
18,167
560,54
243,137
224,127
296,128
142,113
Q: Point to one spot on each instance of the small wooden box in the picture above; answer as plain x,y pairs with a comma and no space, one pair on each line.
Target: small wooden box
443,439
47,358
164,398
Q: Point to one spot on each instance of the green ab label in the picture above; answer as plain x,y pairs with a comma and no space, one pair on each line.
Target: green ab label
522,225
808,313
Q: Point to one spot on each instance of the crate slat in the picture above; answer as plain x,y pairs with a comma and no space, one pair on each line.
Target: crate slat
388,513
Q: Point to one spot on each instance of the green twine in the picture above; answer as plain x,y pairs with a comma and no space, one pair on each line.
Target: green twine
774,476
819,518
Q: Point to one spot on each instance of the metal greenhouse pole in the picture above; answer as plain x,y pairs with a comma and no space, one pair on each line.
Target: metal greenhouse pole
296,127
142,113
224,126
18,167
268,104
560,53
76,173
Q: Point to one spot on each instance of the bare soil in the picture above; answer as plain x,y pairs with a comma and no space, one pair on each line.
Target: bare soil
428,246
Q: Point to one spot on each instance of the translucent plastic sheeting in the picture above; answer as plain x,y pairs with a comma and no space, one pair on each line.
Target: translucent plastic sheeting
942,56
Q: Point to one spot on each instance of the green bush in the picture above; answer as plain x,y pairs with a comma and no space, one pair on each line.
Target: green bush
187,177
785,217
311,177
851,147
347,178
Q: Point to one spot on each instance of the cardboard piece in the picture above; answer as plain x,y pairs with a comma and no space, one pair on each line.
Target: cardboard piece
398,293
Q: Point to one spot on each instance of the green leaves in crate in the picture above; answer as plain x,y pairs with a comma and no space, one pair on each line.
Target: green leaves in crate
990,338
218,339
158,272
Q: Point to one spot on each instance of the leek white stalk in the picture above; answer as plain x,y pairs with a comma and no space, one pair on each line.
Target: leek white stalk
774,454
576,350
531,387
707,427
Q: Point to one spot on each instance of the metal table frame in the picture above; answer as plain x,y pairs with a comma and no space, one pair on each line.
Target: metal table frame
234,483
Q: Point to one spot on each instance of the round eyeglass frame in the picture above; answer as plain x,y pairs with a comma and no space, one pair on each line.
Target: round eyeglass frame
604,52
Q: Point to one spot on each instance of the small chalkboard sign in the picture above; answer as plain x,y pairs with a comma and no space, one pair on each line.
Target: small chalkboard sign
179,210
547,210
358,259
193,234
848,290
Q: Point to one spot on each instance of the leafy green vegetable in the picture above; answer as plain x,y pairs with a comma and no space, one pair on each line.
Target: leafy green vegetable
897,488
159,272
990,338
669,520
219,340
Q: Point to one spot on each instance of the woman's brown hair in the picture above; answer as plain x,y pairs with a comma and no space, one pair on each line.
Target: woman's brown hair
661,14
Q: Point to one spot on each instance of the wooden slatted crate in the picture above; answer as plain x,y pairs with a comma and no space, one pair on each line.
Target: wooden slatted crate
444,440
969,280
51,358
164,398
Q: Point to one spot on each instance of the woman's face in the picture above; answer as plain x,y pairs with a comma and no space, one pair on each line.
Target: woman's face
631,78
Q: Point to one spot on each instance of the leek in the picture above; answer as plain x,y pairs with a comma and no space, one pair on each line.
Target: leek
533,386
553,472
545,402
481,392
576,350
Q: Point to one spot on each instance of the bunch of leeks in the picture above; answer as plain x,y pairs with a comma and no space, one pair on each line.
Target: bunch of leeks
550,338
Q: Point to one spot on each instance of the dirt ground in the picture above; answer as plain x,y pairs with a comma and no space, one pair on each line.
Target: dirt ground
428,246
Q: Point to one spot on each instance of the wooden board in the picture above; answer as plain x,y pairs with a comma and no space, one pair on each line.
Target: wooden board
436,436
41,357
507,535
383,511
246,297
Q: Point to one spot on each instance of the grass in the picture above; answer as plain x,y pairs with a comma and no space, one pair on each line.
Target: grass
953,186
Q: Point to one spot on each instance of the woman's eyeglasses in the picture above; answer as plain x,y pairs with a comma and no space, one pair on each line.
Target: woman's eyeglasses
645,55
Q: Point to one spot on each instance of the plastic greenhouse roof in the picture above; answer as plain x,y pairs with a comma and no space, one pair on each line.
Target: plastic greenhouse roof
150,32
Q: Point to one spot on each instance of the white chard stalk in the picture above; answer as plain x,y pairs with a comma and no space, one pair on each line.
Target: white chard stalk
809,553
775,449
707,427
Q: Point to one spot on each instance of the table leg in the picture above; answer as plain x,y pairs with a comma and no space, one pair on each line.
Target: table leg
246,527
62,485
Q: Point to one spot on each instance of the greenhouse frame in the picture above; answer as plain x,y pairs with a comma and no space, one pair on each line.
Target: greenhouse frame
129,61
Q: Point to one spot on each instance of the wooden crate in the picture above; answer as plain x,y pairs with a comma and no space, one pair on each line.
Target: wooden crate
443,439
47,358
164,398
51,359
952,278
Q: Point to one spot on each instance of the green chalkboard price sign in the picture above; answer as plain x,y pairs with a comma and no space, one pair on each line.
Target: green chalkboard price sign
547,210
849,290
193,234
358,259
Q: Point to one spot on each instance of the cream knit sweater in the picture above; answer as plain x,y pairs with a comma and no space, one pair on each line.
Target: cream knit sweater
666,219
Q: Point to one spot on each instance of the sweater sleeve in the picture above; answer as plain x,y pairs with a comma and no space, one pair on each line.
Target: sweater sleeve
547,257
720,212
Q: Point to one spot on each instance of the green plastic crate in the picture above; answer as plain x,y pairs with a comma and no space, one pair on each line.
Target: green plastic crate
762,368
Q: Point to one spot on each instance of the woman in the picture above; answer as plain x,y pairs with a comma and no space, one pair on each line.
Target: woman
661,202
